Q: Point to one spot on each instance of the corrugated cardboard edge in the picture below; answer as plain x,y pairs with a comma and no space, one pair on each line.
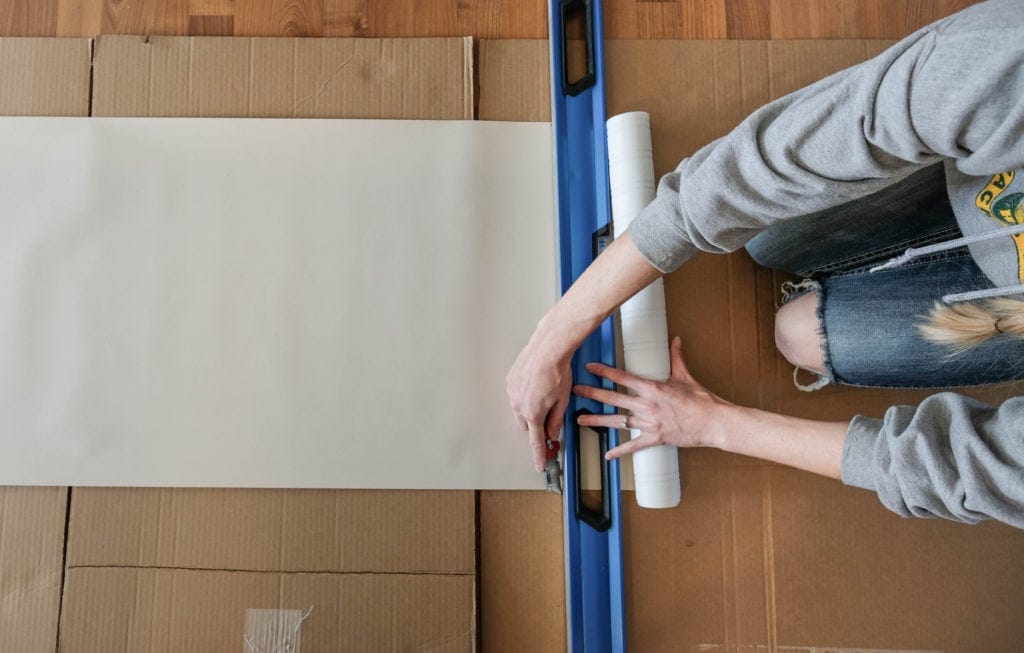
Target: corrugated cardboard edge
42,77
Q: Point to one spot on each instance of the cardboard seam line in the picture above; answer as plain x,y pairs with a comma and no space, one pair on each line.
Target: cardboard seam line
276,571
478,585
769,561
64,567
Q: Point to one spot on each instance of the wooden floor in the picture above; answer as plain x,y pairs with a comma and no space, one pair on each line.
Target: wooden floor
624,19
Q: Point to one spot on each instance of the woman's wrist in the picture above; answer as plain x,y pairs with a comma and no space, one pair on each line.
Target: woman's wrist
727,427
557,337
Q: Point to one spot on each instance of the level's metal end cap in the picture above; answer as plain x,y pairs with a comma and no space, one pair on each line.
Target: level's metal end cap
553,476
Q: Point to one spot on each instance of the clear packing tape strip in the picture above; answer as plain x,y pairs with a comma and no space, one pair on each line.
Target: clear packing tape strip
643,322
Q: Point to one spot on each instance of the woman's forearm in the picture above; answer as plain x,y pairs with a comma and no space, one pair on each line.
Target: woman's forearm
806,444
616,275
539,381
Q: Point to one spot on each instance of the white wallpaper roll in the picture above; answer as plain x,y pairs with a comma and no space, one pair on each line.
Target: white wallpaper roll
644,326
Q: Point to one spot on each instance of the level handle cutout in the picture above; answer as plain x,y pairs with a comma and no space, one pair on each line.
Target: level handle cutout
577,46
593,507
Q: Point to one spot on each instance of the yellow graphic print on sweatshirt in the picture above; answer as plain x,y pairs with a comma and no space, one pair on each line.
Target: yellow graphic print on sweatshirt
1006,209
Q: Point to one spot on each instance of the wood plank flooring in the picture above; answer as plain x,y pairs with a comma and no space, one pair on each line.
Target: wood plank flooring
624,19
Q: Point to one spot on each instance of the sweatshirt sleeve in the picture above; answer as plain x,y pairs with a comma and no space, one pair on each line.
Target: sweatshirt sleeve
953,90
950,457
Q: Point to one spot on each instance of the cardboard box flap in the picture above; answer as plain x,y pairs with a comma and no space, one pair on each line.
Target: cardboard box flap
514,80
849,573
340,531
31,565
274,530
283,77
190,610
44,77
522,602
383,566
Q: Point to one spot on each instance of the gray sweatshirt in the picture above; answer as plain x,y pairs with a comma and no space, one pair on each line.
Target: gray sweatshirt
952,92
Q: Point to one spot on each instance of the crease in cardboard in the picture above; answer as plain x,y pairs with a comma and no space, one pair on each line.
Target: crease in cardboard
64,544
329,572
769,561
729,572
322,86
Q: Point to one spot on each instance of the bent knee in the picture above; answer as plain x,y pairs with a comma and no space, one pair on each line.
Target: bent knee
798,333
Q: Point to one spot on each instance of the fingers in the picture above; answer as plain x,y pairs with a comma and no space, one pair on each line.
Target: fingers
617,376
537,445
613,421
553,423
519,420
642,441
608,397
675,353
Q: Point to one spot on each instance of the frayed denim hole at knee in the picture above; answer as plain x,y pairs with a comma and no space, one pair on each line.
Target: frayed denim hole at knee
792,291
829,374
826,356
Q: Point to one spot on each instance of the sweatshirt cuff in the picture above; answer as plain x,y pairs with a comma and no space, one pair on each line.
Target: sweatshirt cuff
858,450
657,238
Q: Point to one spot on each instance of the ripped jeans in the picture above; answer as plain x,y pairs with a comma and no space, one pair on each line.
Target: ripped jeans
869,321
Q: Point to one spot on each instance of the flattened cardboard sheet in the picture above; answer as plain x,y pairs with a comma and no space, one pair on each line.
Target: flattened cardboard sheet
214,76
269,303
31,561
756,556
323,532
371,531
40,77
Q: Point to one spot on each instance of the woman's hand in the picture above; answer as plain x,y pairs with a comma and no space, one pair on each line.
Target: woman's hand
538,391
539,381
679,411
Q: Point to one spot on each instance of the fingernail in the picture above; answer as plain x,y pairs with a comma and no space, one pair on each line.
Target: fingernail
538,468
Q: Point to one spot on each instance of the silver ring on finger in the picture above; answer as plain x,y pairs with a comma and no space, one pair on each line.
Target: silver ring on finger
625,420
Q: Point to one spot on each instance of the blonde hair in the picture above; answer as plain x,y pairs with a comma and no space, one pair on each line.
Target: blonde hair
963,326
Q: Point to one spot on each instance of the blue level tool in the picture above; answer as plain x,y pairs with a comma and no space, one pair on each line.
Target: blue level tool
593,536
